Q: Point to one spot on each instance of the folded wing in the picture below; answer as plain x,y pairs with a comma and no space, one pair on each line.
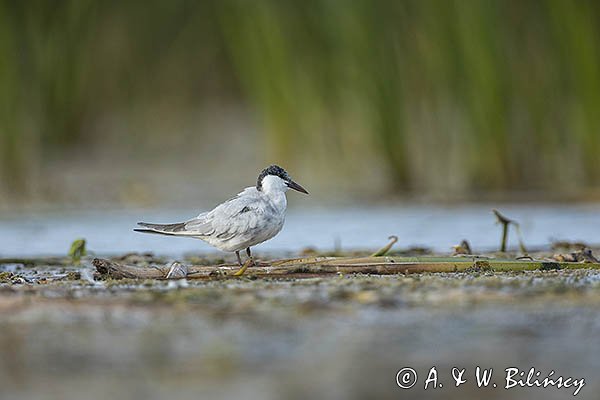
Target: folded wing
236,215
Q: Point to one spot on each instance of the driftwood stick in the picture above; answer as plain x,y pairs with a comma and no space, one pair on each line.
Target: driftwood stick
119,271
323,266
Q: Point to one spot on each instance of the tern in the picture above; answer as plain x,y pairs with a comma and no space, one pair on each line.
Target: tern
254,216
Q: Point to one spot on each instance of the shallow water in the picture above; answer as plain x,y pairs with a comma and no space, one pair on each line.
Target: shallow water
438,228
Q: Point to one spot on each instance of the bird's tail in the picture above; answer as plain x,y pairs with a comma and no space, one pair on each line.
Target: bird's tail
162,229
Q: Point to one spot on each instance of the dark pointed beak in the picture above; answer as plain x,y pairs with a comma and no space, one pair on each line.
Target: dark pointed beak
293,185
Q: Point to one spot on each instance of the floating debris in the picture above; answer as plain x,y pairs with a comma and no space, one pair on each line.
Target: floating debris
463,248
72,276
582,256
177,271
566,245
15,279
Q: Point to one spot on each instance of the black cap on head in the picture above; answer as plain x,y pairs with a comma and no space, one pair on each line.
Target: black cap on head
272,170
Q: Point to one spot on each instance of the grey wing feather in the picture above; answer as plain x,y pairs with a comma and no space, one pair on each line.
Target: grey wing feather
199,225
234,216
224,221
164,227
193,227
167,229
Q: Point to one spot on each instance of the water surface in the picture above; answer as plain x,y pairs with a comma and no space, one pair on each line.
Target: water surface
438,228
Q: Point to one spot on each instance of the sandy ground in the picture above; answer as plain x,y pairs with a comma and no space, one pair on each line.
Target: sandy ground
65,336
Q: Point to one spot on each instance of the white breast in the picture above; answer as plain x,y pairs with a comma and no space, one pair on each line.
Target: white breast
246,220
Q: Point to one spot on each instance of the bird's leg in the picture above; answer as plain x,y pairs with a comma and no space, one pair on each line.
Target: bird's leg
249,253
243,267
249,262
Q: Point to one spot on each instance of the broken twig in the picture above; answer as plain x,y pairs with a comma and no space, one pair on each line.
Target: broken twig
384,250
505,222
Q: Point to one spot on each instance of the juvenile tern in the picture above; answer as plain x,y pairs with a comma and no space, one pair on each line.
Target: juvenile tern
254,216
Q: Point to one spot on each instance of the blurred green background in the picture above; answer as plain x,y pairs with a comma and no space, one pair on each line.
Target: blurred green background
145,102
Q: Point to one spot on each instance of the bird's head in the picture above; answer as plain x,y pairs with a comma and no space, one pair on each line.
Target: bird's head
275,178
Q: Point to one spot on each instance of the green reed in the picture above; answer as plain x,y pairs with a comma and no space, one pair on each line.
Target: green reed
446,95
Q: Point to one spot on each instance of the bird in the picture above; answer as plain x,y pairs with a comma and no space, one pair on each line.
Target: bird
253,216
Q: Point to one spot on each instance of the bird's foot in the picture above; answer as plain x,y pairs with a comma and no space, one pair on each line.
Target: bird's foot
249,262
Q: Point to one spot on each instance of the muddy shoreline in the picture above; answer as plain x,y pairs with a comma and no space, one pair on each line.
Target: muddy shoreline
64,334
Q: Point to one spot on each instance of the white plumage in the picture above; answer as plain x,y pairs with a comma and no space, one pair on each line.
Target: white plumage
253,216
